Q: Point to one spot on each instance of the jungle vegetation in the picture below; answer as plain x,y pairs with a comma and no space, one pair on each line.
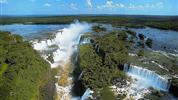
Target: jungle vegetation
102,61
24,75
136,21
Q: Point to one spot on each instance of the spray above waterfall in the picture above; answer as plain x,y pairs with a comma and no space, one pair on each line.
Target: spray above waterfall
66,39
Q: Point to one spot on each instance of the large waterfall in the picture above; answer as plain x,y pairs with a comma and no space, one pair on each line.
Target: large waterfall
146,78
65,42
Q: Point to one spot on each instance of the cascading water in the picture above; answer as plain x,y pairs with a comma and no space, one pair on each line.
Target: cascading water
67,41
146,78
87,94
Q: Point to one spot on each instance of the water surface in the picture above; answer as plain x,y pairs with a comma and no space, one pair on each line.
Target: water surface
165,40
31,31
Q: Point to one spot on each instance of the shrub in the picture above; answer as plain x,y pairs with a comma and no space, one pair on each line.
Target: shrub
107,94
149,42
131,33
140,53
98,28
141,36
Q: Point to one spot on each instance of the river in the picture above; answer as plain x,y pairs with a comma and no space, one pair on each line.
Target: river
70,36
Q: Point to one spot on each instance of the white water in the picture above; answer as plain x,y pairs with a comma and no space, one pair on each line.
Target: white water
87,94
67,42
146,78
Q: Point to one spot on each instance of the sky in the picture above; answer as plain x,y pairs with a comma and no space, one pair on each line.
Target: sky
74,7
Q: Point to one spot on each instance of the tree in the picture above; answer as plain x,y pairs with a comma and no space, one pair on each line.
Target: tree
107,94
23,72
140,53
98,28
141,36
149,42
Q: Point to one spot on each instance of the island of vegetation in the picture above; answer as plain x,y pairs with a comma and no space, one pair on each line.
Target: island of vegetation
24,75
101,62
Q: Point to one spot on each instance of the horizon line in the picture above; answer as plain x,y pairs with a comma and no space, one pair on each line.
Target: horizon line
45,15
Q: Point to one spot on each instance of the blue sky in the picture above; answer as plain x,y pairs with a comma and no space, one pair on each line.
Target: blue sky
68,7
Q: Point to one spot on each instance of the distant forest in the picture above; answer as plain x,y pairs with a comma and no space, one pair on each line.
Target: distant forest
136,21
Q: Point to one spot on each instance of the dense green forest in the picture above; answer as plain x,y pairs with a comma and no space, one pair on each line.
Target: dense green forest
162,22
24,75
102,62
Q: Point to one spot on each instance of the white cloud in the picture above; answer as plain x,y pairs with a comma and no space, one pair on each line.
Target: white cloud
89,3
111,4
148,6
3,2
132,6
73,6
47,5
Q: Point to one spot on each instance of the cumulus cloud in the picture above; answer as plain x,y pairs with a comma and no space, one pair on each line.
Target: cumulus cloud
111,4
89,3
47,5
73,6
3,2
155,5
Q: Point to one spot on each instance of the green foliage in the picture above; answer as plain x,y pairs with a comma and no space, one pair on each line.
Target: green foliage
149,42
162,22
140,52
155,95
3,68
100,65
107,94
53,46
141,36
95,75
23,71
98,28
131,33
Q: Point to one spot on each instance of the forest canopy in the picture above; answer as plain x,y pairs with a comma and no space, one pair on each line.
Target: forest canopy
23,73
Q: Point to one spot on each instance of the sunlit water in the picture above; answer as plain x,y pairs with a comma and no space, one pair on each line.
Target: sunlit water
160,38
165,40
32,31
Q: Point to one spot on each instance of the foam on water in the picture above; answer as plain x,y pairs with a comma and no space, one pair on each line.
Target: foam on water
66,39
146,78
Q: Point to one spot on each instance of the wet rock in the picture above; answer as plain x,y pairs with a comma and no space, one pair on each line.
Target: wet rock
174,87
119,82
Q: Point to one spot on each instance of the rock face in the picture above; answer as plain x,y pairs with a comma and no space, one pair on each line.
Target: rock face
174,87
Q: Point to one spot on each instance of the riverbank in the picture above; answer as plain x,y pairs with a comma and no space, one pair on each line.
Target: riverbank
131,21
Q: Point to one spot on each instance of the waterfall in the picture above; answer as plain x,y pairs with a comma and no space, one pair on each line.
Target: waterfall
97,48
66,39
147,78
87,94
80,76
85,41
